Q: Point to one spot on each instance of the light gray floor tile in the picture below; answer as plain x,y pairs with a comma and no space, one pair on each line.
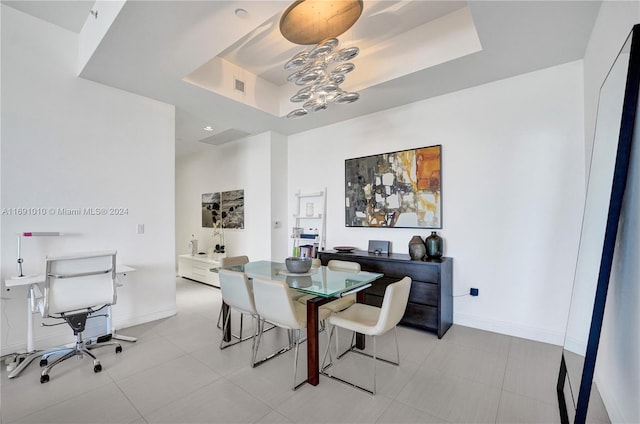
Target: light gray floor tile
70,378
467,362
479,339
140,356
107,405
529,349
398,413
274,417
522,409
155,387
272,381
218,402
532,376
451,398
333,402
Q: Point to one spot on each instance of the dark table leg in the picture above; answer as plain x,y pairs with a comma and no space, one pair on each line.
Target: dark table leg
360,337
313,348
226,329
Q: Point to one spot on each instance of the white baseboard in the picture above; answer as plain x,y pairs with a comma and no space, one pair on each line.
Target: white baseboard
504,327
120,322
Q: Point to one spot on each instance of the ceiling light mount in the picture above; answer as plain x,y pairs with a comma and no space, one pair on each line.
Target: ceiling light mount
309,22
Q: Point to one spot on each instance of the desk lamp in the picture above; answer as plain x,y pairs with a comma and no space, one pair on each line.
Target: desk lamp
30,234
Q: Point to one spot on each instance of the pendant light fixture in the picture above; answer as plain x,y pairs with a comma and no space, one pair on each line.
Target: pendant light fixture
320,69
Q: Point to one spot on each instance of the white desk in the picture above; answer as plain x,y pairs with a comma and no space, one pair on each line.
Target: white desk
33,282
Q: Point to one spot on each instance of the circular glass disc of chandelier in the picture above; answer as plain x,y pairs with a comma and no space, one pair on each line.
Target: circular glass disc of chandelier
309,22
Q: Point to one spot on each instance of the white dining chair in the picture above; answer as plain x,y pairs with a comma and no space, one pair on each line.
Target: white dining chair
228,262
237,293
370,321
274,305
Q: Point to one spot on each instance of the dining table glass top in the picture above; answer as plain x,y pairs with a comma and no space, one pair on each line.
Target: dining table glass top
320,281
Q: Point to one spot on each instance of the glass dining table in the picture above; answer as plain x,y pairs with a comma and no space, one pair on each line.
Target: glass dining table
325,284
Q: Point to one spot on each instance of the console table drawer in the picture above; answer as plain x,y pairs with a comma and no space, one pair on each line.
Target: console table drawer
421,316
424,293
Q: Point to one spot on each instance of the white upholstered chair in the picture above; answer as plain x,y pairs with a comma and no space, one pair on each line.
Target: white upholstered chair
237,293
274,305
76,286
371,321
228,262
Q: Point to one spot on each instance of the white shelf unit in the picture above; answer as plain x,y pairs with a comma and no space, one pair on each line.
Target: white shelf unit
311,216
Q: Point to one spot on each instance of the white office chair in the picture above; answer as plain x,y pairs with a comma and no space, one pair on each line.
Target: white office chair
342,303
275,306
371,321
237,293
75,287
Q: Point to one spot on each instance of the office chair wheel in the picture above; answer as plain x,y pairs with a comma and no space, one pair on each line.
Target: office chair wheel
118,349
44,362
44,379
97,368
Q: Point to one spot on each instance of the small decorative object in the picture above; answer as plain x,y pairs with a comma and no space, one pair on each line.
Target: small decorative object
434,245
193,244
309,209
218,235
298,265
417,249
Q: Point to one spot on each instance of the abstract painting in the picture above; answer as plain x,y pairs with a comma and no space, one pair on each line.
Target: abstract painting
399,189
227,206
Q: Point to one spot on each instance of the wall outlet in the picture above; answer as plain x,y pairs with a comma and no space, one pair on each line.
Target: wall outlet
473,291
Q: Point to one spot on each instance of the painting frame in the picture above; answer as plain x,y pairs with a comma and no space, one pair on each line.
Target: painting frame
224,206
400,189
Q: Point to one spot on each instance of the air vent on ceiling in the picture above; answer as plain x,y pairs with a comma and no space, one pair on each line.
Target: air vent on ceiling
239,85
225,137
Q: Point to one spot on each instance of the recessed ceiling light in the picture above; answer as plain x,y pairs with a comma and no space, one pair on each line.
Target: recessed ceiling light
241,13
208,128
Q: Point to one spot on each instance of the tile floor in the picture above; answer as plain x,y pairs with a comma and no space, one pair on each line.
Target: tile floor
175,373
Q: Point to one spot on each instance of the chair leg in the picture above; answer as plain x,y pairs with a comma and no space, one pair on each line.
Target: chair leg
328,350
79,350
374,364
295,362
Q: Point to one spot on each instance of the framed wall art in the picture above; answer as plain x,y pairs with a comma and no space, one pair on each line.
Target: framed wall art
226,206
400,189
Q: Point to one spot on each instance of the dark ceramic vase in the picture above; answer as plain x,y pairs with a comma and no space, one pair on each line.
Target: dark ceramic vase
417,249
434,245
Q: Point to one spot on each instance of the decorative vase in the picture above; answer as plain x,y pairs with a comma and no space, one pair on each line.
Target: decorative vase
417,249
434,245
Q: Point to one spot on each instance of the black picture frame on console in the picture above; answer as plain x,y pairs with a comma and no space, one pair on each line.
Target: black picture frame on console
614,134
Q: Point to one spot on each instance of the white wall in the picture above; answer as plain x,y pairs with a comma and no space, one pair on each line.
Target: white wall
71,143
248,164
512,191
618,364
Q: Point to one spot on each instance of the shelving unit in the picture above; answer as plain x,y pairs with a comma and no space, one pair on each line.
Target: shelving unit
310,220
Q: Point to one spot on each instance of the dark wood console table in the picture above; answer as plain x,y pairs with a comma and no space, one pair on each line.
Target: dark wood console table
430,304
